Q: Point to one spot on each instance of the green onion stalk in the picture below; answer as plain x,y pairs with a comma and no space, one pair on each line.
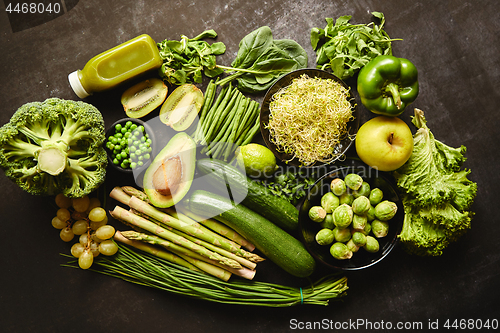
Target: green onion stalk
147,270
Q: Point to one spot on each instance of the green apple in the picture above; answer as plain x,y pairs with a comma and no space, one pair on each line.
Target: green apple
384,143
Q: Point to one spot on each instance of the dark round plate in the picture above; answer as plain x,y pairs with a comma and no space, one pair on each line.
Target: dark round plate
361,259
111,130
285,81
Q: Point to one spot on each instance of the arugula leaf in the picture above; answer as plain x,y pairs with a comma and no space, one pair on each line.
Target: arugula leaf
345,48
185,61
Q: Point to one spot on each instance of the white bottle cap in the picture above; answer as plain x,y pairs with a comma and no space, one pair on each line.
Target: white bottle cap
77,86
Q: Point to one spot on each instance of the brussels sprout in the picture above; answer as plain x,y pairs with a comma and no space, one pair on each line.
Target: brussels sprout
376,196
329,202
380,228
371,245
370,214
361,205
363,190
359,239
351,246
342,234
325,237
342,216
385,210
353,181
338,186
340,251
317,213
346,198
368,228
359,222
328,222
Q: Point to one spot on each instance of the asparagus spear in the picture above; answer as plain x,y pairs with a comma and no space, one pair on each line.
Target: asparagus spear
185,253
181,252
122,214
191,229
218,227
241,260
154,251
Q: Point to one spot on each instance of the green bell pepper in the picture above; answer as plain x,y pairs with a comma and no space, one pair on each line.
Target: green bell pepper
386,85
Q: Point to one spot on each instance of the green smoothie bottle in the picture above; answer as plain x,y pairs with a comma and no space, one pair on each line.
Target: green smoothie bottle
112,67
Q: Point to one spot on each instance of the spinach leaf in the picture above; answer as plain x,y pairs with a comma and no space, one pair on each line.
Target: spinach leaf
294,50
252,46
261,60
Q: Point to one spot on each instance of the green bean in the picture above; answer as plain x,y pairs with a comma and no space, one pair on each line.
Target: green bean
207,103
211,113
233,129
228,120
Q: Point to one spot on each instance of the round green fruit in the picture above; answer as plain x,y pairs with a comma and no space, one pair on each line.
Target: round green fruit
384,143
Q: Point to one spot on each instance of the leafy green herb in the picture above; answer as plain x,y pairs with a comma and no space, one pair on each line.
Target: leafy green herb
291,185
436,193
186,60
345,48
261,60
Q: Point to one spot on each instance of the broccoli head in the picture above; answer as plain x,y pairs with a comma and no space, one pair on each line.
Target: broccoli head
55,146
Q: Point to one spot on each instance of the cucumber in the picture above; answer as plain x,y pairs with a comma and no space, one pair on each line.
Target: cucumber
250,193
275,243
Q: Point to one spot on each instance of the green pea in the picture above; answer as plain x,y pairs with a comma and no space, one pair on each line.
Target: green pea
146,156
132,149
128,134
133,156
133,165
140,163
118,135
118,127
128,124
133,127
123,154
115,161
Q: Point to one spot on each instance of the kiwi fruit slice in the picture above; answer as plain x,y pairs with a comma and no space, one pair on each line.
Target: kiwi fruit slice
182,107
144,97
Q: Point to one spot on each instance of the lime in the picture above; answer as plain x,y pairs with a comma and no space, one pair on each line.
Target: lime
257,160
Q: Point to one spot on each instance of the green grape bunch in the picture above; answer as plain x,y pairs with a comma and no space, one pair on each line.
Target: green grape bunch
84,217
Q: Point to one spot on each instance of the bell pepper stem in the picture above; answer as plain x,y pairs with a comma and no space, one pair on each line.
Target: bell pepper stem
393,89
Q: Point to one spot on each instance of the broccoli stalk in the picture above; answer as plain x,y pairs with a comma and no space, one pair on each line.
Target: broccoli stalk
54,147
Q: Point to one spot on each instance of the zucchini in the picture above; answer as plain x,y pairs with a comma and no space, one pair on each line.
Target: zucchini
251,194
276,244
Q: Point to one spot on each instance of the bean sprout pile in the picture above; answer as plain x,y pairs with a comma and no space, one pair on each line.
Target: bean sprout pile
308,119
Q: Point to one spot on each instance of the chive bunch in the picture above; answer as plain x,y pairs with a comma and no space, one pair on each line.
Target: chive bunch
147,270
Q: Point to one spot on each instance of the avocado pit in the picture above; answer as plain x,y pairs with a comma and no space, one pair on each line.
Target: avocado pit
168,176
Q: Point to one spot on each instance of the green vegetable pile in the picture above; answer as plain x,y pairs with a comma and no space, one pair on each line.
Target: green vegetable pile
345,48
290,185
151,271
261,60
258,64
437,195
54,147
226,122
186,60
130,145
352,216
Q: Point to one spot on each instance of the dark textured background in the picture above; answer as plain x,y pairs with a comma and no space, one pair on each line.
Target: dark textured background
455,46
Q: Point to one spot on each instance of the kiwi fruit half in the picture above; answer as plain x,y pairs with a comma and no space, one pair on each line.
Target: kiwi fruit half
144,97
182,107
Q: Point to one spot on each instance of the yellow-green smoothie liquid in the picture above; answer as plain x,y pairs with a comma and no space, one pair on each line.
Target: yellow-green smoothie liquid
119,64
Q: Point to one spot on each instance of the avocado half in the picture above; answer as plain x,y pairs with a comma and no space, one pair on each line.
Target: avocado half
169,177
